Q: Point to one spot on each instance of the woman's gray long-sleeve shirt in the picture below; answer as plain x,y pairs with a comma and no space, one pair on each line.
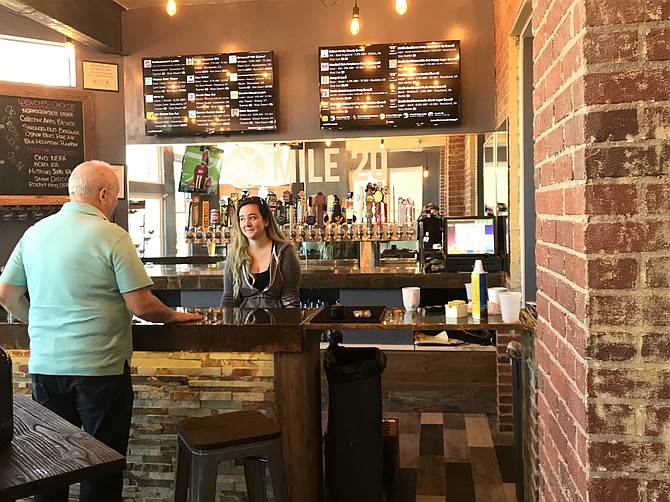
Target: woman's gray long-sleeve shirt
283,289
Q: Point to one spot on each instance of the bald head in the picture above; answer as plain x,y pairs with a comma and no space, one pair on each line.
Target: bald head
94,183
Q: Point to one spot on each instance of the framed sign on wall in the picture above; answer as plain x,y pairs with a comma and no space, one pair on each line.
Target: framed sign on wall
120,171
101,76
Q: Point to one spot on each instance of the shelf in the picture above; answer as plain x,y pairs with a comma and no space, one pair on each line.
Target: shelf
33,200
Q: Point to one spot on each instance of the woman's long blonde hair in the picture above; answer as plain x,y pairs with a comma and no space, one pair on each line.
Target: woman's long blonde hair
239,243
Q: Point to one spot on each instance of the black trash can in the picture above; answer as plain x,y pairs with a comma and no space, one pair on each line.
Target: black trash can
354,449
514,353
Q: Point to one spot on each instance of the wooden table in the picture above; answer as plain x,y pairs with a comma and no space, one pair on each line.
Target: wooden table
48,452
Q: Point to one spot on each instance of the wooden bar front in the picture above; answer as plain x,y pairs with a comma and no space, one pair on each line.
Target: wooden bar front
292,341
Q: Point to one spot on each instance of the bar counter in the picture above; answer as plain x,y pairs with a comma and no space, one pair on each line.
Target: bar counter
293,396
210,277
201,377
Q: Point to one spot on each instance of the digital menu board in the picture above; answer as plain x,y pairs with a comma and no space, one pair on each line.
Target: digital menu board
209,94
390,85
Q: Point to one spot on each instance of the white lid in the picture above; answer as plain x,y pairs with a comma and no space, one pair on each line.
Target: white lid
479,267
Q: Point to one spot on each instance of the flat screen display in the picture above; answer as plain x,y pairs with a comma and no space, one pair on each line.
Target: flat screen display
209,94
390,85
201,169
470,236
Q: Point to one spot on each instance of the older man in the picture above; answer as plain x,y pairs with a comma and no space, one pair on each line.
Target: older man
85,281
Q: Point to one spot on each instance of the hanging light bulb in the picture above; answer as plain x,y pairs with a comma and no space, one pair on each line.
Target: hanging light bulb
171,7
381,144
401,6
355,25
425,171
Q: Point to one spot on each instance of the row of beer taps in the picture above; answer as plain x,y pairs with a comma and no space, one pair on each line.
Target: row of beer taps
320,218
332,232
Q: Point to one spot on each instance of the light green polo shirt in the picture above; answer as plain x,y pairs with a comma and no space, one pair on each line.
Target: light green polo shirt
76,265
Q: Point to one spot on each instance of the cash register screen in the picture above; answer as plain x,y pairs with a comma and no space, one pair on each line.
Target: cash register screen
470,236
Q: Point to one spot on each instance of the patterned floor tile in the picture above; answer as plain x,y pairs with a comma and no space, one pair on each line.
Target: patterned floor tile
431,477
432,418
479,434
432,440
460,486
456,447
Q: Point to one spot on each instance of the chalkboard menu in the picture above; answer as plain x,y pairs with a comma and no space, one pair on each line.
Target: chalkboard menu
209,94
390,85
41,141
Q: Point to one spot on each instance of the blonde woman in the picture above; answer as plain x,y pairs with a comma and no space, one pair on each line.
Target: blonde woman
262,268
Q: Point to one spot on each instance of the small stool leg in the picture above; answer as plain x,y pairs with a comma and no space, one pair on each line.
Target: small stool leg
203,478
254,473
277,471
181,474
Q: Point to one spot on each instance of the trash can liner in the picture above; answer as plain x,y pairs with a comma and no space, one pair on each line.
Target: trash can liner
354,445
343,363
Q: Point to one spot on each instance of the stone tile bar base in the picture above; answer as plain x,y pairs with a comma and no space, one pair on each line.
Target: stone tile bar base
170,386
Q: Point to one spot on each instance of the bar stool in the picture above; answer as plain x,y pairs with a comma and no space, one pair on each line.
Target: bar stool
203,442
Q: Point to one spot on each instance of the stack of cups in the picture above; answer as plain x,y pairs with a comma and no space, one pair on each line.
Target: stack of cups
510,305
494,302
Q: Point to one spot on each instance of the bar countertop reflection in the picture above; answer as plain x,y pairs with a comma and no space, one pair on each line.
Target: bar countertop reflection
228,329
204,277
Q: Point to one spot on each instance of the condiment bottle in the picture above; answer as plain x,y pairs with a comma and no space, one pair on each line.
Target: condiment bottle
479,300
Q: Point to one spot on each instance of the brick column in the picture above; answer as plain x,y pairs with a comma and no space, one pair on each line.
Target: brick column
455,177
504,396
602,157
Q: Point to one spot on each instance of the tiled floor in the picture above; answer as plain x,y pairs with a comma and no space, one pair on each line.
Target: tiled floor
449,457
452,457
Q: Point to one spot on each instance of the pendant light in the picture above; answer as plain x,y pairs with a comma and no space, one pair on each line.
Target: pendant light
171,7
355,25
401,6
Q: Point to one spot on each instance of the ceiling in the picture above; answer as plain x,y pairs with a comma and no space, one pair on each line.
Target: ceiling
139,4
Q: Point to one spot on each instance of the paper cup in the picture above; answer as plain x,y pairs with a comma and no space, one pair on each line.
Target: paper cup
493,293
411,297
510,305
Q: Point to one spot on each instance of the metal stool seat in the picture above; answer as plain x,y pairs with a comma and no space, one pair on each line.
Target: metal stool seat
203,442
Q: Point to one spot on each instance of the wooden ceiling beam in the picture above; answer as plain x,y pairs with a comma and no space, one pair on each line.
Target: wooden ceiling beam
96,23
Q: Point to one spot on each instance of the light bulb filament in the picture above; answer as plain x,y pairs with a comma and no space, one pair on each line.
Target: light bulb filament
401,6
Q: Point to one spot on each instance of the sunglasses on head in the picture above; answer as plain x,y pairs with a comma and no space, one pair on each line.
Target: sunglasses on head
251,200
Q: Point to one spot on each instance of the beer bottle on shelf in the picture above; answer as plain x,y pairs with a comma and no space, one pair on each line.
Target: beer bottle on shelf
6,400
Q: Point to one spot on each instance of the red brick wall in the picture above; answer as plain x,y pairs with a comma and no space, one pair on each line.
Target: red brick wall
505,13
455,177
602,159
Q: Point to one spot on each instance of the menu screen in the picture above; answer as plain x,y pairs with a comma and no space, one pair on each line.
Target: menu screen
390,85
209,94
